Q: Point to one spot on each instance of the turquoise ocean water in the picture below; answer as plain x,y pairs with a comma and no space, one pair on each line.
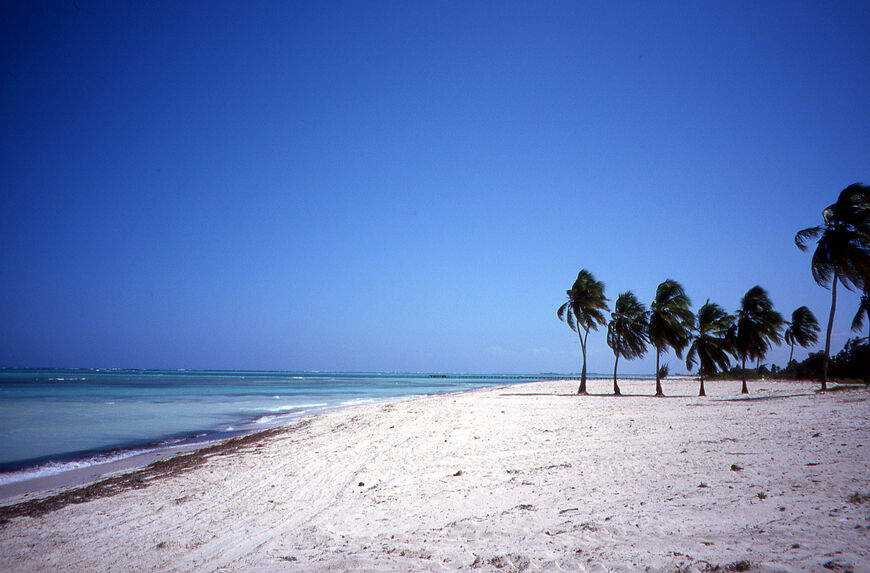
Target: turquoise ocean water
54,420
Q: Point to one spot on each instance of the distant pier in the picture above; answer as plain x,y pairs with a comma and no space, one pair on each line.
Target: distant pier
507,376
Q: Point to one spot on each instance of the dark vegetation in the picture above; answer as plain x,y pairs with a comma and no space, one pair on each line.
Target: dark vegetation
713,337
140,478
583,312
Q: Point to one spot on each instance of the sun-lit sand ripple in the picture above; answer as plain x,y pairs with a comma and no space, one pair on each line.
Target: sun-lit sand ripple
530,477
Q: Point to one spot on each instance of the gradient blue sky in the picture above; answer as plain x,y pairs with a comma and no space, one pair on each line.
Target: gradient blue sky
409,185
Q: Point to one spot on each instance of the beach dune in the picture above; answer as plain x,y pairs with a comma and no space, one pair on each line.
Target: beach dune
528,477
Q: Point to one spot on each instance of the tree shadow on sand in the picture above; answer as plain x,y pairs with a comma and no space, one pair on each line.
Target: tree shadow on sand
589,395
743,398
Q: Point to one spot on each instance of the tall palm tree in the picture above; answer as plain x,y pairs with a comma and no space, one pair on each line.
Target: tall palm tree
710,346
842,251
670,322
583,312
627,331
757,329
858,324
803,329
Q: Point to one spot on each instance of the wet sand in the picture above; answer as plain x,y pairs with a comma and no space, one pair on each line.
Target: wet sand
529,477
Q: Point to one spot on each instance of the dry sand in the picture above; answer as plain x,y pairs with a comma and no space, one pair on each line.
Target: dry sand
528,477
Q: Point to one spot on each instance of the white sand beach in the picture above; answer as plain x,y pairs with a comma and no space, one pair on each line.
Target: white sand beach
529,477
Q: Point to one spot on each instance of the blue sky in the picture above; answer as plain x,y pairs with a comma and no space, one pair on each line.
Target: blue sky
409,185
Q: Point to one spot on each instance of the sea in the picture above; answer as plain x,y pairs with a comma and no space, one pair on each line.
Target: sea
54,420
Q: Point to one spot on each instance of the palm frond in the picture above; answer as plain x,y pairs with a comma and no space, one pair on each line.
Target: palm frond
561,311
670,318
588,301
691,355
863,310
627,330
806,235
711,346
852,208
821,265
585,305
804,329
858,320
843,246
758,325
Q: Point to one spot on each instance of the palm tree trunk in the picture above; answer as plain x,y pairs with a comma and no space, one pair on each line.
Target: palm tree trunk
790,355
582,389
701,392
615,364
828,335
744,389
659,391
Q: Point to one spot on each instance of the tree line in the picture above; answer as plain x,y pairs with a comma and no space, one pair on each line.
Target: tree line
711,337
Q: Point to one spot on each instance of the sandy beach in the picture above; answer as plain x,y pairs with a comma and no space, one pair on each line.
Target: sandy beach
528,477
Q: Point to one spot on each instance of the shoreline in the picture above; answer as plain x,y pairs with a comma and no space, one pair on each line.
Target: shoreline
60,483
54,484
42,485
504,478
108,484
68,468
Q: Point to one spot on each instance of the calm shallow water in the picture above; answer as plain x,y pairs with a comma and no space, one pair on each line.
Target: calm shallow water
53,420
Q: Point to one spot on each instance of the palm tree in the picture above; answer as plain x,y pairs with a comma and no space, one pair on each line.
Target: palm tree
842,251
670,323
803,329
710,347
583,312
858,324
627,331
757,328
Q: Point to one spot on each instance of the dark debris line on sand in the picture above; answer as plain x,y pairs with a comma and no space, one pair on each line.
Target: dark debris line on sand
138,479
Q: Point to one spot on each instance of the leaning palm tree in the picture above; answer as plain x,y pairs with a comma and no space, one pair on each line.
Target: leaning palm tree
710,346
842,251
858,324
627,331
670,323
583,312
757,329
803,329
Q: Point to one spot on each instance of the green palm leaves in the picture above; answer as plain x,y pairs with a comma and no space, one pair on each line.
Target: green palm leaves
863,311
858,324
627,330
584,311
842,250
670,322
711,346
713,337
803,329
757,328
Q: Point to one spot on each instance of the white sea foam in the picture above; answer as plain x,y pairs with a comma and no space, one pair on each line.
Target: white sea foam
292,407
357,401
52,468
273,418
144,408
